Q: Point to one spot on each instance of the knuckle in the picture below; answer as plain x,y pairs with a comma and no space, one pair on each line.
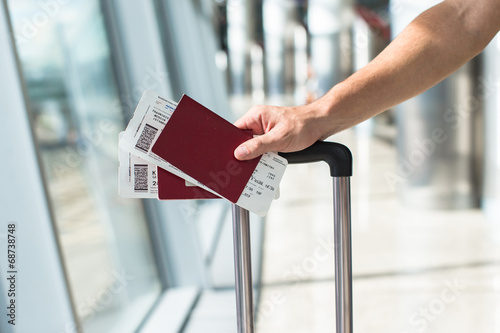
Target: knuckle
255,109
256,143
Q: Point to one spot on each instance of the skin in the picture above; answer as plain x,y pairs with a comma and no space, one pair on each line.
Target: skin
429,49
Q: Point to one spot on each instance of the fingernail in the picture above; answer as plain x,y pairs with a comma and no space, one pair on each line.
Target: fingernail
241,152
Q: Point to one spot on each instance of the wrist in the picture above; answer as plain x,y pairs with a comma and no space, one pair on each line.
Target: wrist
326,112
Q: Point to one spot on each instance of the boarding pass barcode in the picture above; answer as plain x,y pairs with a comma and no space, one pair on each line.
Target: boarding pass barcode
140,177
146,138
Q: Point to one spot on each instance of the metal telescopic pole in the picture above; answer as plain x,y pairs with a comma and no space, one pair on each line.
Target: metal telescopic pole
343,268
243,269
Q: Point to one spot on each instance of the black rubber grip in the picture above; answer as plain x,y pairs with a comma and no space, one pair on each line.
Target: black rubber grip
338,157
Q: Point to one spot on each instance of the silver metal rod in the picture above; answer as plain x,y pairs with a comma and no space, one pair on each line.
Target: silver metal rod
343,266
243,269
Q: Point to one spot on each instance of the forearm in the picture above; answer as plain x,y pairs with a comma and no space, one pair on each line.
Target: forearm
432,47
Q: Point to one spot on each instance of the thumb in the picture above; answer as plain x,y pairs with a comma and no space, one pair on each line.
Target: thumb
256,147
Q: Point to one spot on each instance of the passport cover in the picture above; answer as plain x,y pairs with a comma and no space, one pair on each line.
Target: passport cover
201,144
171,187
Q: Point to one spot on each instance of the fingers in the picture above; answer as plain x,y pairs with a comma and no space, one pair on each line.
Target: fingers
262,120
242,122
256,147
241,153
254,120
250,124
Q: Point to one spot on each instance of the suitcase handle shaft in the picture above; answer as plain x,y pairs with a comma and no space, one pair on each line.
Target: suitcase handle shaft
243,269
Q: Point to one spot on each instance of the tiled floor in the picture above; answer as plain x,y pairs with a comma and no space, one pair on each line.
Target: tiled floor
414,270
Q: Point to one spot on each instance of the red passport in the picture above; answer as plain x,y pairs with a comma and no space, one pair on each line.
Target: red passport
171,187
201,144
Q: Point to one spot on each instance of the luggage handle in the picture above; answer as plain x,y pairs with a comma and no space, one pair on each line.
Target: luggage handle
336,155
339,158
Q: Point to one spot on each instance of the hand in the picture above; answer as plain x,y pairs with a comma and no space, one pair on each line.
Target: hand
283,129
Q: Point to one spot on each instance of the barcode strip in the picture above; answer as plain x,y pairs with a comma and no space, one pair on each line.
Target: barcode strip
140,177
146,138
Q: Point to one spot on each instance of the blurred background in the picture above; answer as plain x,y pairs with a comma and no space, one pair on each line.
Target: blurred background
425,191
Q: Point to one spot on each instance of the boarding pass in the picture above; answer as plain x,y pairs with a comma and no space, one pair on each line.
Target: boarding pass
137,178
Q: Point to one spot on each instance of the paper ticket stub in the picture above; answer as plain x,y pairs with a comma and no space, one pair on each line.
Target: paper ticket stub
137,178
150,118
263,185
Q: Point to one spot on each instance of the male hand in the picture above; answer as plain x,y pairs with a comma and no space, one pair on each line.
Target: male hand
283,129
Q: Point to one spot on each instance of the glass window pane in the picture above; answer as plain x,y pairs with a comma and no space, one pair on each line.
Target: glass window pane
77,116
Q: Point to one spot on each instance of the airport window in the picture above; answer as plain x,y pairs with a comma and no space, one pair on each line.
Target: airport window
73,97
